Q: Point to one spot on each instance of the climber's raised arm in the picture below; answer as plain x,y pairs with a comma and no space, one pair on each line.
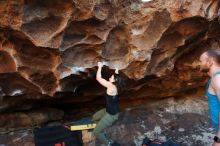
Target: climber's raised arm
99,78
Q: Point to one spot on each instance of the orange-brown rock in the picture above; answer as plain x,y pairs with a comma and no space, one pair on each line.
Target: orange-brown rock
32,119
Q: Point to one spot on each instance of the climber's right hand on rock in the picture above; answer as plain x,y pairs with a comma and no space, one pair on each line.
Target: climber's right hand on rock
100,64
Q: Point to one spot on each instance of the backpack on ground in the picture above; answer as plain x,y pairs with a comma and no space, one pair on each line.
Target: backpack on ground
156,142
57,136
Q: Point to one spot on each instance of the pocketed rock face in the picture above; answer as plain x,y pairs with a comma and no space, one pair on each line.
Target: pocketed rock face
49,49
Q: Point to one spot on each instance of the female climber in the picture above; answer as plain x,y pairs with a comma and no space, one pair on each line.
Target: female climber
108,115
